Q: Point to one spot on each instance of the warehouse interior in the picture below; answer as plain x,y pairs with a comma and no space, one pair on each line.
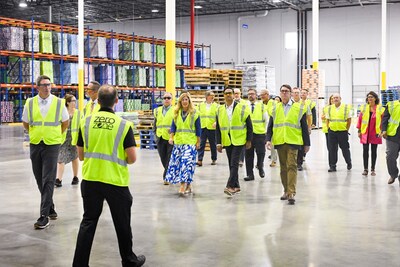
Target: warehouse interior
340,218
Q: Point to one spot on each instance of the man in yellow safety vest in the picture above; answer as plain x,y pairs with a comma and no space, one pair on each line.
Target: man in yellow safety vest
92,105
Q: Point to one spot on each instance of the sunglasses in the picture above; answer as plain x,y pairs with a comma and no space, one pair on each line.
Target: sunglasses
167,97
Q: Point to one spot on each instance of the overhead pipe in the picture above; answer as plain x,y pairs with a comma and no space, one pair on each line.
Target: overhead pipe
192,10
383,44
265,13
298,48
50,14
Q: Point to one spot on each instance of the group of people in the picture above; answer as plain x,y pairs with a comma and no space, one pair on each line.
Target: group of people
105,143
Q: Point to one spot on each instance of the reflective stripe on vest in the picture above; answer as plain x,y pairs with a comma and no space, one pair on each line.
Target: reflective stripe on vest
40,123
114,156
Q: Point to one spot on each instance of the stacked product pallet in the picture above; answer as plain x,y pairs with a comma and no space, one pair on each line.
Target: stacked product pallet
7,111
30,34
253,77
391,94
232,78
204,77
105,74
96,47
26,70
146,119
69,70
112,48
314,82
45,42
12,38
59,42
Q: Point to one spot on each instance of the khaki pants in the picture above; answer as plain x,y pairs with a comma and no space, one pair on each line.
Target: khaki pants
288,161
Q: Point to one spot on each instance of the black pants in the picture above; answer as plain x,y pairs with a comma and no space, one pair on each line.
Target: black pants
300,156
164,151
341,139
44,165
257,144
327,143
366,155
210,135
233,153
119,200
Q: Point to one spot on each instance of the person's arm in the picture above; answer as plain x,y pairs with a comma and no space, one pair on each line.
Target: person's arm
314,116
385,120
348,124
304,131
26,126
25,117
198,132
172,133
249,127
270,127
130,147
79,145
64,126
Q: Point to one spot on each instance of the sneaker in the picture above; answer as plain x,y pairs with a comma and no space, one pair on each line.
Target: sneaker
75,180
273,164
53,214
58,183
291,199
42,222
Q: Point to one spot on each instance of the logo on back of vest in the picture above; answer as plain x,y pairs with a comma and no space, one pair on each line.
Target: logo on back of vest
103,123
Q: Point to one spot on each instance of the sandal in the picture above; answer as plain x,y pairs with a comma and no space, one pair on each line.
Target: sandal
365,173
188,189
373,173
182,189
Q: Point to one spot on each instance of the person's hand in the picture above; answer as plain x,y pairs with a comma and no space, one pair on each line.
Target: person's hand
269,145
306,149
219,148
248,144
309,131
197,145
214,125
359,135
171,141
383,134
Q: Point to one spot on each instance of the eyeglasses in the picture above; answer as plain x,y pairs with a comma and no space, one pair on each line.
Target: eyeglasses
227,93
285,91
370,96
45,84
167,97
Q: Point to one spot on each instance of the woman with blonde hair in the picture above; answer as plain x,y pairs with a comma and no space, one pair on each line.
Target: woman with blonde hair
185,136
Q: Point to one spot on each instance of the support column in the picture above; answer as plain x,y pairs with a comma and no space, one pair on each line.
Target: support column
315,22
170,46
81,75
192,35
383,48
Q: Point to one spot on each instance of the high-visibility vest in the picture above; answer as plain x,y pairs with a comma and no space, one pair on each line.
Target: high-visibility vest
257,118
236,128
324,121
365,110
46,129
185,133
287,129
207,116
74,125
393,123
310,103
338,118
87,110
164,122
104,153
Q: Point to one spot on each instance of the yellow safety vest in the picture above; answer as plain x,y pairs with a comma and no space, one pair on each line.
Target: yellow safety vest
365,110
338,118
310,103
324,121
207,116
237,128
74,124
46,129
257,118
87,110
186,130
104,153
287,129
163,123
393,123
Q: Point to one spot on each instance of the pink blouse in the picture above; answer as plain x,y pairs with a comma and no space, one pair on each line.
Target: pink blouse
369,137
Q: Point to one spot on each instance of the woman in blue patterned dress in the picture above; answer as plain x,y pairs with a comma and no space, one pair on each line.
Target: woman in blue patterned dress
185,136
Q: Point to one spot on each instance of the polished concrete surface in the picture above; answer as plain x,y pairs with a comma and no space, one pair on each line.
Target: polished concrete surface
340,219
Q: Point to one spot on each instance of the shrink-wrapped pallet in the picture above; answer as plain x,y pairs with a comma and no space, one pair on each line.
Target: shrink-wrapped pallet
12,38
145,51
30,34
59,42
72,44
46,68
112,48
96,47
125,50
45,42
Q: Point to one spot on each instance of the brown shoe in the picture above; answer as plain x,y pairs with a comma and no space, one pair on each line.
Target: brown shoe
365,173
189,189
166,183
391,180
182,188
237,190
284,196
373,173
199,163
291,199
229,191
214,162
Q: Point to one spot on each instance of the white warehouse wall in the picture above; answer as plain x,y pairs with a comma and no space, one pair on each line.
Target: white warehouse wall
343,32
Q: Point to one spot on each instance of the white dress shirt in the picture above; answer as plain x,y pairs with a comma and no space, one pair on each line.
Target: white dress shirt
44,106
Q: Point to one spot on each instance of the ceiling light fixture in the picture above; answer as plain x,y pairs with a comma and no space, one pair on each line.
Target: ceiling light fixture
154,10
23,3
276,1
198,7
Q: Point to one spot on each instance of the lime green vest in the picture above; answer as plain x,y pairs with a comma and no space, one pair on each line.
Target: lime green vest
163,122
393,123
47,129
324,121
310,103
74,125
287,129
87,110
257,118
104,153
186,130
338,118
237,128
365,118
207,117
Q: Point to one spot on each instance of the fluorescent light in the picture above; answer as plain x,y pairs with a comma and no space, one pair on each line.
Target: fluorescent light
198,7
154,10
276,1
23,4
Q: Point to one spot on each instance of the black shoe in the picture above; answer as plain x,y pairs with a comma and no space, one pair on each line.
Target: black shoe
284,196
140,261
42,222
53,214
391,180
261,172
332,170
349,166
269,157
249,178
58,183
299,168
75,180
291,200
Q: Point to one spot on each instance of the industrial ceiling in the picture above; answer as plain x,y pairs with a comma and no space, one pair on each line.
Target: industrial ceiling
97,11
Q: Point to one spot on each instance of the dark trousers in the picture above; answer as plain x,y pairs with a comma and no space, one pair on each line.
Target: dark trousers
257,144
366,155
164,151
341,139
392,153
233,153
300,156
210,135
44,165
119,200
242,154
327,143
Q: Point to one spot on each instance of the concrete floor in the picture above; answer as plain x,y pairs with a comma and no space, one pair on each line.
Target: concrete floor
340,219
